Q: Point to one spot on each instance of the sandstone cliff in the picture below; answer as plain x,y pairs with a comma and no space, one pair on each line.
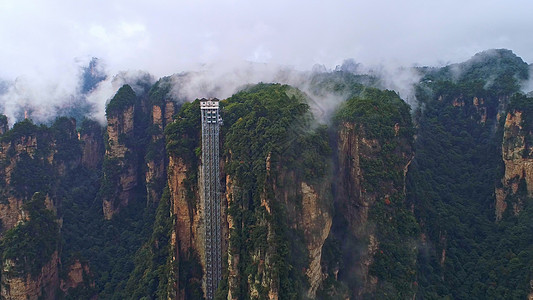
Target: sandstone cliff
12,151
32,160
78,274
373,150
357,196
42,286
156,160
30,254
305,208
187,237
278,194
120,163
92,141
517,155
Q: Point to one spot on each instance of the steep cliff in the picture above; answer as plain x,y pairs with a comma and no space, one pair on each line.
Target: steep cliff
187,237
517,154
19,147
460,159
34,159
374,136
277,197
120,165
92,142
78,275
162,109
346,210
278,194
30,260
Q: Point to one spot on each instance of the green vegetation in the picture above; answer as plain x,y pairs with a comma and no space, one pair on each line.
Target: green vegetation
109,247
499,71
183,141
439,241
21,129
67,145
159,92
150,278
466,254
31,244
125,97
269,123
378,112
29,176
381,116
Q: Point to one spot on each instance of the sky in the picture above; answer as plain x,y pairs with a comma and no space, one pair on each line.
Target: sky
44,43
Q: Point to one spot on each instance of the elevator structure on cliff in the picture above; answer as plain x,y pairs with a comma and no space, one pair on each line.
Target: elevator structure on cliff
211,122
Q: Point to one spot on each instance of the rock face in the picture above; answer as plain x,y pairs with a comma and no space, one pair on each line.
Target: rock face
187,237
34,159
40,155
92,142
371,162
43,286
312,217
355,201
11,206
316,220
188,234
120,163
77,274
517,155
156,160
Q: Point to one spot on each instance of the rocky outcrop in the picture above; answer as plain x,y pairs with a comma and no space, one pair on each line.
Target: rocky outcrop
32,160
156,160
11,206
481,108
359,192
188,231
92,142
307,209
186,210
316,220
120,162
42,286
517,155
77,275
356,202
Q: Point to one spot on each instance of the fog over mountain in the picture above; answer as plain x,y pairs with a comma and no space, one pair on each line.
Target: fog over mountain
46,45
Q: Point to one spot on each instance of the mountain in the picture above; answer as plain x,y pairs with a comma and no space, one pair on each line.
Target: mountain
380,202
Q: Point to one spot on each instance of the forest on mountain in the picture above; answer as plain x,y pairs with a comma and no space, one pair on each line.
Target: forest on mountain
376,199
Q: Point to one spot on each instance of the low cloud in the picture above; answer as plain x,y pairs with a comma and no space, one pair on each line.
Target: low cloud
44,44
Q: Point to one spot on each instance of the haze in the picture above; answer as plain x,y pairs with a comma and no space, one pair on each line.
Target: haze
44,43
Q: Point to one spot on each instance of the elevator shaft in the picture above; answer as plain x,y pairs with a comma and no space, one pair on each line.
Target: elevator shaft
211,122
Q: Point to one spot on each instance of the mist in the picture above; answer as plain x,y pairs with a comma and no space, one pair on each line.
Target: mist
227,44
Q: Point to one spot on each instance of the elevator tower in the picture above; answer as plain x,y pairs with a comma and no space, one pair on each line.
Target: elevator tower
211,122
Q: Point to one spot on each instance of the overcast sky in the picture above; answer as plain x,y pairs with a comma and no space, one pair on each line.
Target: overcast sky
44,43
164,37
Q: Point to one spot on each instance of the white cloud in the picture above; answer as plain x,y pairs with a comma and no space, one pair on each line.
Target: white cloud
45,41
